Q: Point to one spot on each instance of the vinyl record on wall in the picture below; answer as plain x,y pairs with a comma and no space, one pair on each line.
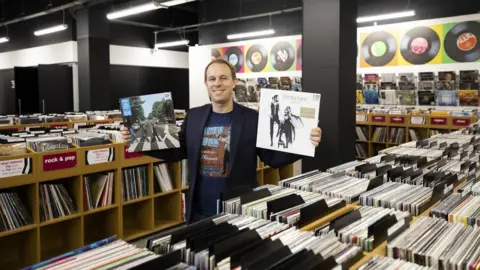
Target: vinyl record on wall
215,54
257,58
299,55
420,45
462,42
379,48
299,43
282,56
235,56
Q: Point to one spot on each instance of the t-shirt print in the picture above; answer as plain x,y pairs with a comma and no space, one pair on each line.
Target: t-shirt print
215,151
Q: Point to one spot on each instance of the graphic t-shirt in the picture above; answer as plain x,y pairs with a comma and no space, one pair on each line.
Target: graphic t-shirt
214,163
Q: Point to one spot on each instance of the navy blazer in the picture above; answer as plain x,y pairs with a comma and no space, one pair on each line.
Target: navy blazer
243,150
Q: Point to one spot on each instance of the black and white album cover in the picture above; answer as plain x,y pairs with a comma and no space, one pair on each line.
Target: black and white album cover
286,119
151,120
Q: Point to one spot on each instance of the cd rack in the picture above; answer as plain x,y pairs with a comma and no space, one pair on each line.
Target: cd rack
23,175
422,126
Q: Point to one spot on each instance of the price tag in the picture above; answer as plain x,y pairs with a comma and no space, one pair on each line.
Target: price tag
417,120
397,119
99,156
15,167
59,161
438,121
378,118
461,122
361,118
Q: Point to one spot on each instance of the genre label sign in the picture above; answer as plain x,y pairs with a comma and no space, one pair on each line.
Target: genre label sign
59,161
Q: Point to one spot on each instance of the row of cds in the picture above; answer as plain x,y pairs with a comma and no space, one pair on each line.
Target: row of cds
416,111
229,241
38,118
422,98
262,202
439,244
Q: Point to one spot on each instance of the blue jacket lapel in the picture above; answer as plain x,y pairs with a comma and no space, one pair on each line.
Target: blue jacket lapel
198,133
237,125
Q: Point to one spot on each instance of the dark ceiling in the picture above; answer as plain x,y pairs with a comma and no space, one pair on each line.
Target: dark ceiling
194,12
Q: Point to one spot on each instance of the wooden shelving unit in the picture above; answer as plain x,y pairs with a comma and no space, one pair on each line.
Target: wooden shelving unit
425,125
127,220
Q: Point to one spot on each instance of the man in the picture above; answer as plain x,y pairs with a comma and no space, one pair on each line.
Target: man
209,172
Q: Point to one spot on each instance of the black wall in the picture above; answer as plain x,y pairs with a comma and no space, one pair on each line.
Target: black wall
130,81
7,92
213,10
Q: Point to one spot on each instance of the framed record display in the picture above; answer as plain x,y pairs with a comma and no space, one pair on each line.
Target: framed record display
378,49
282,56
256,58
420,45
461,42
235,55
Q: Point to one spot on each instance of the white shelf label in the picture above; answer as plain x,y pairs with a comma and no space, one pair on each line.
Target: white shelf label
15,167
100,156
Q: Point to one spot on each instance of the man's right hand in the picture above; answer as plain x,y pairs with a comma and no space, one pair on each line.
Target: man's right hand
125,134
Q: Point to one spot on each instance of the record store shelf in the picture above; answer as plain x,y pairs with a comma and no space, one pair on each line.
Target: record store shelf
423,125
46,238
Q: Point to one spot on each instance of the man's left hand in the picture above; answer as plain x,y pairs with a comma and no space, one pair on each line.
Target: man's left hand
316,136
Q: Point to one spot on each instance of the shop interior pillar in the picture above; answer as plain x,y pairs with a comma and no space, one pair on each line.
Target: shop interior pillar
329,68
93,60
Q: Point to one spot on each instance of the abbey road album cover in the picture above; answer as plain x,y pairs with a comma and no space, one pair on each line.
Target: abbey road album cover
286,119
151,121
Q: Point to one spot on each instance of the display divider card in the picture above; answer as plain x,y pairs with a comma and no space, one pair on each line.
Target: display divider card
286,119
283,203
314,211
151,121
254,196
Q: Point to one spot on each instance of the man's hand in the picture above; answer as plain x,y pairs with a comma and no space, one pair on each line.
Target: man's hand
316,136
125,134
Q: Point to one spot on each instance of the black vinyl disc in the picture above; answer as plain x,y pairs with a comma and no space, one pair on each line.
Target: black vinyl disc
379,48
234,55
282,56
257,58
462,42
299,55
215,54
420,45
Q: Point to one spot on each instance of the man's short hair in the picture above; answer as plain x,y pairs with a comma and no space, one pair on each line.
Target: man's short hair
222,61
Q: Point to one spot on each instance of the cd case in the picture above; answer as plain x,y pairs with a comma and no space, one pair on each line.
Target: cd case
151,121
286,119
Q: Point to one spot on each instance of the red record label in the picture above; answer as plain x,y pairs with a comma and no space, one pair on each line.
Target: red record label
419,45
467,41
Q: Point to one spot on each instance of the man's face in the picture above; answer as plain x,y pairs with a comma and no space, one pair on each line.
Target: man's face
220,83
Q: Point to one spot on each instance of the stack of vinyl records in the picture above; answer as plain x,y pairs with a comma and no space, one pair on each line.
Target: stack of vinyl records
55,202
397,135
163,179
459,209
111,130
414,135
134,183
109,253
6,120
75,117
380,135
346,167
401,197
281,204
439,244
184,172
362,133
48,144
229,241
28,119
337,185
366,227
98,190
377,262
13,213
84,138
361,150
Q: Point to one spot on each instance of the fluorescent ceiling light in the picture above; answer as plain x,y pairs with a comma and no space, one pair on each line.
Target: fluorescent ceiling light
386,16
252,34
133,10
50,30
175,2
171,44
4,39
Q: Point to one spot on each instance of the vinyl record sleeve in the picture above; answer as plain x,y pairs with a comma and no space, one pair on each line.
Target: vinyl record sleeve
151,121
286,119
